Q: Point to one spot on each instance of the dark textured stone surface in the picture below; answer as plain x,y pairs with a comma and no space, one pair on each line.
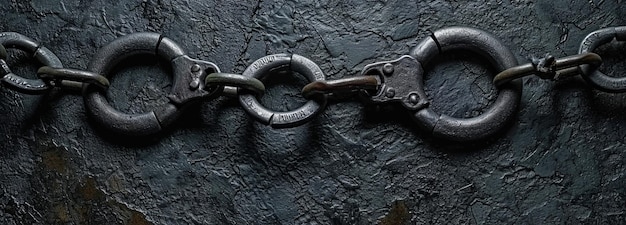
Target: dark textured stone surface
561,162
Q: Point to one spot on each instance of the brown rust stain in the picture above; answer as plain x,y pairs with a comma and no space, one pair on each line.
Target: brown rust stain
75,198
398,215
54,160
115,184
138,219
61,213
89,191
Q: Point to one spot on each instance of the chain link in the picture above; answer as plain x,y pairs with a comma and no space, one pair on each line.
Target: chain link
397,81
71,79
345,86
235,81
549,68
41,54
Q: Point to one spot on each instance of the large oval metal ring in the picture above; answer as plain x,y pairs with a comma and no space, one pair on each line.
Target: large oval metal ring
42,54
591,73
500,112
105,61
264,66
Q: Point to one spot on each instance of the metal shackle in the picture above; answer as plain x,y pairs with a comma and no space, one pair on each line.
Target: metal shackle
291,62
500,112
591,73
186,72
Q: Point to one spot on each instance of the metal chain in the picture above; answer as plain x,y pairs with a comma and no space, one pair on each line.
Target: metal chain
549,68
399,81
343,86
71,78
236,81
51,75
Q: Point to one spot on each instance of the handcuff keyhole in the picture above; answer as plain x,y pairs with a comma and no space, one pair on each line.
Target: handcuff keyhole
140,84
459,84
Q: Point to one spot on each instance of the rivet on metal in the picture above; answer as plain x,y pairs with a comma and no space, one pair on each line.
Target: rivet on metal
388,69
194,85
390,93
414,99
195,68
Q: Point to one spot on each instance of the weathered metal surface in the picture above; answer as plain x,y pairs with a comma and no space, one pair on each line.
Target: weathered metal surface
498,57
595,77
561,161
276,64
43,56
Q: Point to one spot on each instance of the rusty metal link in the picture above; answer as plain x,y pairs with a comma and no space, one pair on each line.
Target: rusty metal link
549,67
342,86
71,78
233,84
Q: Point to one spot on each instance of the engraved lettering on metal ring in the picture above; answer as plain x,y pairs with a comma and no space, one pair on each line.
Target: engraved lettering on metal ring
105,60
261,68
40,53
263,61
591,73
500,112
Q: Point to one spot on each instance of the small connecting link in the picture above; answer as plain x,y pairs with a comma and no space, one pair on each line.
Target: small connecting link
70,78
235,81
341,86
549,68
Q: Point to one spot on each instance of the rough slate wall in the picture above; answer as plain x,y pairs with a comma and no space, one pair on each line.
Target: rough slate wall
561,162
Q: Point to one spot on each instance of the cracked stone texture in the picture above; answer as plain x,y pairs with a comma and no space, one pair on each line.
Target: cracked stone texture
562,161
